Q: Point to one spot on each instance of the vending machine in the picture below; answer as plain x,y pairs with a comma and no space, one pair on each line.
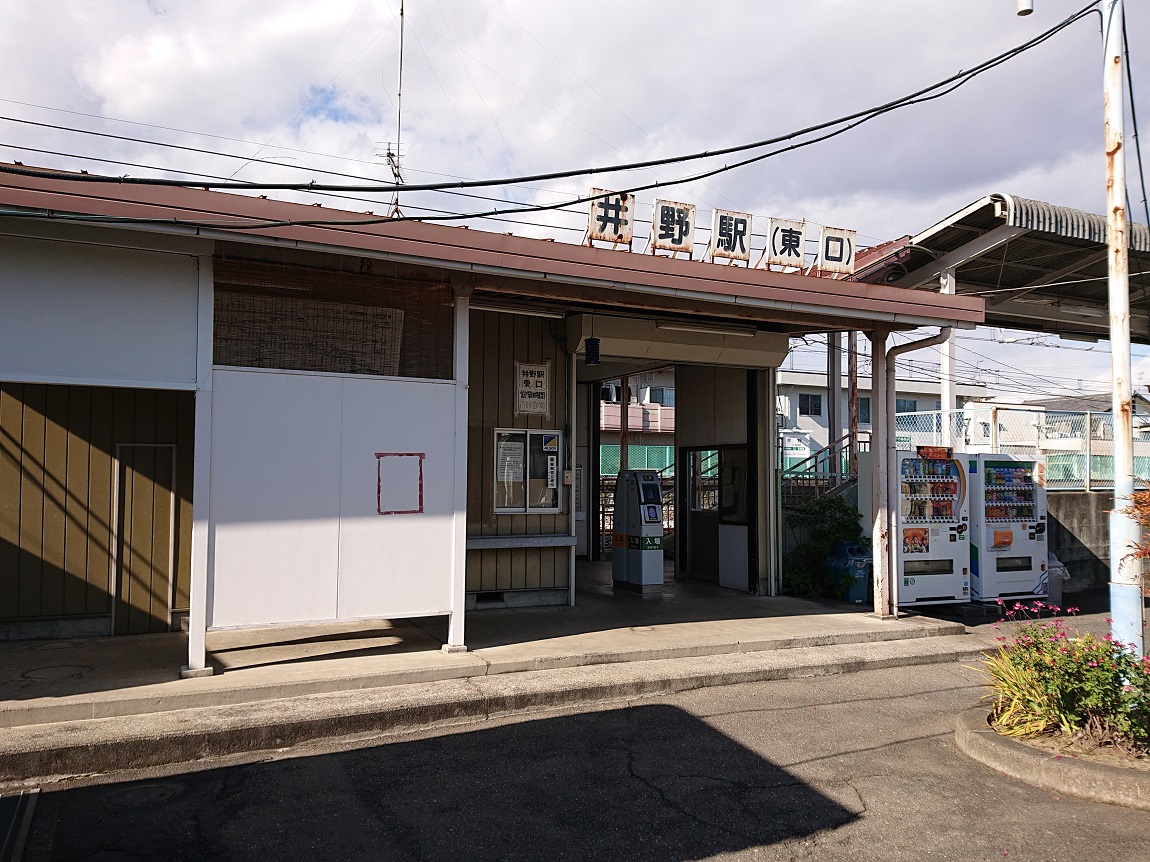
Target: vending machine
1008,528
932,551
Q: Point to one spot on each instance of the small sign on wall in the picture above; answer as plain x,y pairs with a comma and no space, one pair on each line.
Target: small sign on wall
532,389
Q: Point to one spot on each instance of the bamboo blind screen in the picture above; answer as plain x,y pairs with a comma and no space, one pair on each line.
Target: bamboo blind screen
309,319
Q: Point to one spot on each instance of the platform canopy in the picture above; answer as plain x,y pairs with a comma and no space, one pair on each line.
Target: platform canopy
1039,267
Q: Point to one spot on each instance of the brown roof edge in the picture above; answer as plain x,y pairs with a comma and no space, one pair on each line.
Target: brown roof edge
167,207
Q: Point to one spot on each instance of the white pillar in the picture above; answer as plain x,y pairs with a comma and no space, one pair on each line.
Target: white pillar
771,514
880,466
573,448
948,401
455,641
834,395
202,545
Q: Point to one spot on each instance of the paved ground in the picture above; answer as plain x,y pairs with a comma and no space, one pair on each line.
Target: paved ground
856,767
64,680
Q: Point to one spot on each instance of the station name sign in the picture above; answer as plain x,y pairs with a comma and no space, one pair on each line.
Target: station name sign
611,218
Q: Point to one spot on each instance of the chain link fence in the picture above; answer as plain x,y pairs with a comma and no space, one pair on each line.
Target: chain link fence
1078,447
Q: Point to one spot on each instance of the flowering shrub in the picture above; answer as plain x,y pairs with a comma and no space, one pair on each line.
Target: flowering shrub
1043,680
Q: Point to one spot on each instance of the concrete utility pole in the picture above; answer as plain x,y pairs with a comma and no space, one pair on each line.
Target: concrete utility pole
1125,572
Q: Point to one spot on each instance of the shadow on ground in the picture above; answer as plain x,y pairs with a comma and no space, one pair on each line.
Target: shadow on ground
645,783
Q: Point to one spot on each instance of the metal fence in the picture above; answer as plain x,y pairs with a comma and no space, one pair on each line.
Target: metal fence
658,458
1078,447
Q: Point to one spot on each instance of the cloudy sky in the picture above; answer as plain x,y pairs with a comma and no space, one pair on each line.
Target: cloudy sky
286,91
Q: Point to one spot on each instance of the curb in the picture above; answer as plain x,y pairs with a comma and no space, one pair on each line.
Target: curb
1097,782
48,751
212,691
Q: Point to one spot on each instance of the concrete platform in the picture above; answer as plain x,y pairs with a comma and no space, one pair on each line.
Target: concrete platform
71,680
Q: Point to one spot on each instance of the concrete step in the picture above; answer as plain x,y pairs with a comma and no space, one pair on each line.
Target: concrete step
295,679
43,752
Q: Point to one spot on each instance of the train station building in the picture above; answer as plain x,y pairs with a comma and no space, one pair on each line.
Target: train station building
223,411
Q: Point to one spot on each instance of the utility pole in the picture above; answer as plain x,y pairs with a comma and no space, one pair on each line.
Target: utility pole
1126,606
1125,572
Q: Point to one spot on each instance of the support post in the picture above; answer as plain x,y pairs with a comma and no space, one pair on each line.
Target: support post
949,403
1088,447
460,358
1126,605
624,420
769,510
892,443
834,400
852,403
573,448
880,526
202,549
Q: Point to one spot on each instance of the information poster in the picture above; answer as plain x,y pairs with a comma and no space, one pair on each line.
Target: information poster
532,389
511,456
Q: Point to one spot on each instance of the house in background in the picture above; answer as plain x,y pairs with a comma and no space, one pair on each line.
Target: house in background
650,422
802,402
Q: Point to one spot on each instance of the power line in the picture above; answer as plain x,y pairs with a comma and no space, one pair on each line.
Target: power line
851,120
1134,120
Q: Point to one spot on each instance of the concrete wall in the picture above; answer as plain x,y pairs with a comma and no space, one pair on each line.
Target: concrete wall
1080,535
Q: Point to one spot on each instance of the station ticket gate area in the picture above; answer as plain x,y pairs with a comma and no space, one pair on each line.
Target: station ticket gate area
637,539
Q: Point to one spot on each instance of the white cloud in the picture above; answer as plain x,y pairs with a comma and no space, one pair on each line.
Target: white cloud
508,86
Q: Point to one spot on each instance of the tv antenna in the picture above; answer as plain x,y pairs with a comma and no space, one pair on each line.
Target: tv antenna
394,154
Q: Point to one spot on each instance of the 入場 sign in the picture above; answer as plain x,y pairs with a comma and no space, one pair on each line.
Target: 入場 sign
532,389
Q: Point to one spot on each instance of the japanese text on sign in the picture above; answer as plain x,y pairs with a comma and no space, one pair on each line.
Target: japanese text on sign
611,217
673,226
532,389
785,242
730,235
836,250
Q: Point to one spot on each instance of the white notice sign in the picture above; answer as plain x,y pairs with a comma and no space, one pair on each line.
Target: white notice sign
532,389
510,459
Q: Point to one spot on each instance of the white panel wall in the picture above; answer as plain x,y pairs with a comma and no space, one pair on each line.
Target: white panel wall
396,565
75,313
297,490
274,497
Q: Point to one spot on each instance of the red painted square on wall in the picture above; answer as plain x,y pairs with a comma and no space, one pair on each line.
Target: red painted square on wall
399,483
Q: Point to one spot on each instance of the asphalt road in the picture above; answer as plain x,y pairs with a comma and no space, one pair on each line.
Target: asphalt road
858,767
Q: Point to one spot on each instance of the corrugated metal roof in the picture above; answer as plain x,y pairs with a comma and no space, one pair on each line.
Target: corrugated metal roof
1067,222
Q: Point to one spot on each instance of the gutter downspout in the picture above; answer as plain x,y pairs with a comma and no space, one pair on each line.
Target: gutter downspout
891,445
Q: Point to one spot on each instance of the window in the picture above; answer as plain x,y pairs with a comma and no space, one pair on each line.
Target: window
307,318
864,410
810,404
905,405
527,471
664,395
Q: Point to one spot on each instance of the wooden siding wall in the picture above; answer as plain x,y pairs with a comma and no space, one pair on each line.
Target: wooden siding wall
57,445
498,341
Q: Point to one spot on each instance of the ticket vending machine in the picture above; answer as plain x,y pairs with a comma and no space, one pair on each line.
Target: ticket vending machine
1008,543
932,551
637,535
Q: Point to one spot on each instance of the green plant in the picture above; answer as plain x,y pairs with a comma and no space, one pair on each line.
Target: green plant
823,524
1043,680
